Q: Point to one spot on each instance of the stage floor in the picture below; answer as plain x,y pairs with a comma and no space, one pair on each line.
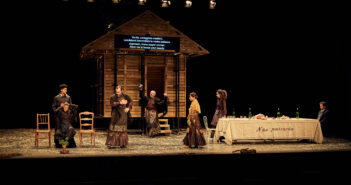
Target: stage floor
21,141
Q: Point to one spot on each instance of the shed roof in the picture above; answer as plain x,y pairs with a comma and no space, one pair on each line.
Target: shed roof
147,23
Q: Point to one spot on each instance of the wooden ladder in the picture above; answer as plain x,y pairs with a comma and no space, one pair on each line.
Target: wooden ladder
165,127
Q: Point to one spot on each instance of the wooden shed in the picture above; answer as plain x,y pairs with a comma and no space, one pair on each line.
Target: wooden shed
159,68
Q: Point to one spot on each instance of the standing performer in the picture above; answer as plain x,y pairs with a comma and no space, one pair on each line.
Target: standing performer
194,137
153,106
323,117
117,133
61,98
221,107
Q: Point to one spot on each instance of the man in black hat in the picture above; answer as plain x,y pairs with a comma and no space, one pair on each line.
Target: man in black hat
61,98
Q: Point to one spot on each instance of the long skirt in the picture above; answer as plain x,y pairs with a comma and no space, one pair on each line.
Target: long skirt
152,124
218,114
117,133
194,136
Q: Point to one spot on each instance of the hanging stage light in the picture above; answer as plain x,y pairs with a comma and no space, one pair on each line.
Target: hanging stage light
116,1
165,3
141,2
212,4
188,3
91,1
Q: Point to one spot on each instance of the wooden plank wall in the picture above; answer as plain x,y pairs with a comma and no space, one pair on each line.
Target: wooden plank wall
129,77
171,86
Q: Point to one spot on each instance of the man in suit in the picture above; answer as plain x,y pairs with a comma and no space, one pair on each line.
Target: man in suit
61,98
323,116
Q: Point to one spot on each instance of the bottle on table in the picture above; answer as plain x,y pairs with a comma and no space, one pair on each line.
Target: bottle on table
278,113
250,114
233,113
297,113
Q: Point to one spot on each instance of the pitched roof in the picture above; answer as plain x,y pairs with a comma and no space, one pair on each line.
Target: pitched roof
147,23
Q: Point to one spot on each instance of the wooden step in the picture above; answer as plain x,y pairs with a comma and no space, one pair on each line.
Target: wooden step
166,132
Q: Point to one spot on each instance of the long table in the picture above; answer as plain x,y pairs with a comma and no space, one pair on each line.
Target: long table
234,129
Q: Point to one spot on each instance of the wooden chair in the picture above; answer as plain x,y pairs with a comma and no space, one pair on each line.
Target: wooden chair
208,130
165,127
86,119
43,119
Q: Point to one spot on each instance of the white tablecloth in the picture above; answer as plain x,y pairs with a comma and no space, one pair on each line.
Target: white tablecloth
244,129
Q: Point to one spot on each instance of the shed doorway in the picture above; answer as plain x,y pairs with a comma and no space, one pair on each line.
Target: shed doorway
155,79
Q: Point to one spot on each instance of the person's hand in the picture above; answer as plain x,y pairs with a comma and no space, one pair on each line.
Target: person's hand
115,103
126,110
61,104
123,102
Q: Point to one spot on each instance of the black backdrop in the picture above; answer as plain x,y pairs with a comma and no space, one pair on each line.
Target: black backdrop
265,55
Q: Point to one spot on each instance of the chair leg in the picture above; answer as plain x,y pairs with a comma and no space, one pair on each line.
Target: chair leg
49,139
36,140
80,139
209,136
91,138
94,138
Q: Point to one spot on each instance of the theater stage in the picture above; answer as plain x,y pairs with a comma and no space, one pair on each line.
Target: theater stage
163,160
21,141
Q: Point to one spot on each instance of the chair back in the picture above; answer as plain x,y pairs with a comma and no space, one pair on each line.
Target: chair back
43,119
205,122
86,119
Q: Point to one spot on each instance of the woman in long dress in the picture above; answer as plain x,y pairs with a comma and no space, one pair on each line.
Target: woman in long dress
153,105
194,137
221,107
117,132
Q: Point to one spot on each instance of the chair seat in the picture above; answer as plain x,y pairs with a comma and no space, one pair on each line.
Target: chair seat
42,131
87,131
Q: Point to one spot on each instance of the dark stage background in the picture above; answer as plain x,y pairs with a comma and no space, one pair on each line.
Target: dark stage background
265,55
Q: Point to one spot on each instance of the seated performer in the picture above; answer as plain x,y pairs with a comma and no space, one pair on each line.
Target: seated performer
65,116
194,138
121,105
153,106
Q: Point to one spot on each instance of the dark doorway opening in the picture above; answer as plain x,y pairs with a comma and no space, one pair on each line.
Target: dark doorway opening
156,80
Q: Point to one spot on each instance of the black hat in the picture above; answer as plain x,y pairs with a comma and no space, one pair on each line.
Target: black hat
63,86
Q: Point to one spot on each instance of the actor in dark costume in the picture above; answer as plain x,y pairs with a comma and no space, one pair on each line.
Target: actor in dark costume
153,106
323,117
221,107
64,117
117,132
194,137
61,98
58,102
